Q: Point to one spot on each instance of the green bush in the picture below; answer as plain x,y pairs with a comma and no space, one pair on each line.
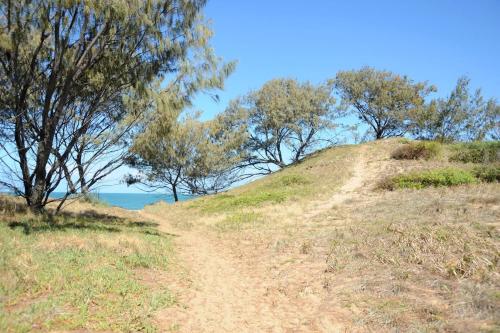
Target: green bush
476,152
417,150
441,177
487,173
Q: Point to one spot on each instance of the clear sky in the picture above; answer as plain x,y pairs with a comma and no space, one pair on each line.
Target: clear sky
428,40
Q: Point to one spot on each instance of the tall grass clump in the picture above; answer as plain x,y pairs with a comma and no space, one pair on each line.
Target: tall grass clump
93,199
476,152
10,205
290,180
417,150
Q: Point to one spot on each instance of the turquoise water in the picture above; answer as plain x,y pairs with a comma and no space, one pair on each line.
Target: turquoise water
133,200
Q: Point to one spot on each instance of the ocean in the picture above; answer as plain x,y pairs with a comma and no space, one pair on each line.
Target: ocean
133,201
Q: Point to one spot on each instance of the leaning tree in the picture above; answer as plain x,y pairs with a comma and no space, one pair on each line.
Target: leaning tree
78,76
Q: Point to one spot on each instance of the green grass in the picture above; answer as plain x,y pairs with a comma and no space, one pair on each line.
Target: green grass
443,177
436,178
476,152
80,274
277,189
229,202
417,150
290,180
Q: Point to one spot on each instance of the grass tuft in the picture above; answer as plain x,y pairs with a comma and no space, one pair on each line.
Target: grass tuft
93,199
417,150
280,188
442,177
228,202
10,205
238,221
290,180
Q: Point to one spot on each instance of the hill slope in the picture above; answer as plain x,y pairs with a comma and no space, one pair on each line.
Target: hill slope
321,246
317,248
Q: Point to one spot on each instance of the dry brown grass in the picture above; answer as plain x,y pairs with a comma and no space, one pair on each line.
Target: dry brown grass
408,260
321,256
417,150
10,206
425,259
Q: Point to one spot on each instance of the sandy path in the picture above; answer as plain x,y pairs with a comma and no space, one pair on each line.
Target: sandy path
219,295
354,186
226,295
223,298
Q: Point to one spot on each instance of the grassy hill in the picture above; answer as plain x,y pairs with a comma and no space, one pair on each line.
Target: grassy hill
387,235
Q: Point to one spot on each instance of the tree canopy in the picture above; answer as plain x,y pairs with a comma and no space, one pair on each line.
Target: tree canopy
77,76
284,121
383,100
186,156
88,85
462,116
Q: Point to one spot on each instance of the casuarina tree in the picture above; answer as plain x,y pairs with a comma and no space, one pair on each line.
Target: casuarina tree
285,120
384,101
187,156
462,116
77,76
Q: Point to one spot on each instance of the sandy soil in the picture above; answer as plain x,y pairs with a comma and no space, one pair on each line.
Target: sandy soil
224,292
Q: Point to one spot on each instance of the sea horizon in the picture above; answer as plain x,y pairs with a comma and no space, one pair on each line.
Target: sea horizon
132,201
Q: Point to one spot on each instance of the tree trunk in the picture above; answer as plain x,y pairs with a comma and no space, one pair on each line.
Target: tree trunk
36,199
174,192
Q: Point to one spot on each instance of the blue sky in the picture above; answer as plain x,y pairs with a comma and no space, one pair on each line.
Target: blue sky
435,41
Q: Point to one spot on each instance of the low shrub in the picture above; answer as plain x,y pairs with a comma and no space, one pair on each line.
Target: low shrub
487,173
440,177
417,150
476,152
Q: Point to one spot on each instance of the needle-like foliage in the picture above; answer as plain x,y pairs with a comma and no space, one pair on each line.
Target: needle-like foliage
77,76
